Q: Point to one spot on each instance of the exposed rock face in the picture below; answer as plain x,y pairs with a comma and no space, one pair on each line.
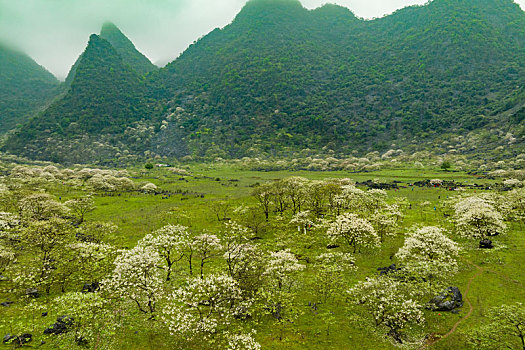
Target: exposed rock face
62,325
449,300
486,244
388,270
91,287
17,340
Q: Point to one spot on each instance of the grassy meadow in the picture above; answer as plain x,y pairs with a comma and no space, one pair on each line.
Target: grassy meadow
189,200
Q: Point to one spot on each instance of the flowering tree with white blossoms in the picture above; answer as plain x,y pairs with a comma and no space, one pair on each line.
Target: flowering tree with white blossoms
354,231
47,239
7,257
40,206
516,202
170,242
278,295
245,261
264,195
90,261
149,188
296,191
303,220
203,307
8,224
386,221
330,271
357,200
234,238
429,254
388,303
96,232
280,268
476,218
81,206
206,247
242,342
137,276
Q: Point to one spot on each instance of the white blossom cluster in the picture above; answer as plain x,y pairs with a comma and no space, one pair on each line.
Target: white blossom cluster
281,264
388,302
98,179
429,253
137,276
7,257
476,217
242,342
169,242
354,231
203,306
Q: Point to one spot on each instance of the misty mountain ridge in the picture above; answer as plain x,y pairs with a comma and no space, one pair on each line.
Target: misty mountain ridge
281,78
25,87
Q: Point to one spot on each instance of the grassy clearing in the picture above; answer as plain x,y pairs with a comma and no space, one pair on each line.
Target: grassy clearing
188,201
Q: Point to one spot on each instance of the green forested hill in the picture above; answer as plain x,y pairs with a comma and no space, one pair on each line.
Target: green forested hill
281,75
281,78
130,55
25,86
106,95
124,47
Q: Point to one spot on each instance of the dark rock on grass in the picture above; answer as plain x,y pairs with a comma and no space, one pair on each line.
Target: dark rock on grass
449,300
8,338
25,338
44,314
388,270
17,340
332,246
61,326
486,244
6,303
91,287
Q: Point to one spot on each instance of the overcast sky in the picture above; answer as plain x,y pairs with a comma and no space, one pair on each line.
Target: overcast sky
55,32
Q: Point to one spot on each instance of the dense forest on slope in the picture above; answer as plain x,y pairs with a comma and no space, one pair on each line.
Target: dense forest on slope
281,78
130,55
25,86
325,78
105,96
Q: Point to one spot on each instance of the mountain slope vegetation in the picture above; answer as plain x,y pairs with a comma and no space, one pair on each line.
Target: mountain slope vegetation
106,95
280,79
130,55
281,75
25,87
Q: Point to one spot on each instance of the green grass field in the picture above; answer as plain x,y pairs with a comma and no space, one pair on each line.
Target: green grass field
189,203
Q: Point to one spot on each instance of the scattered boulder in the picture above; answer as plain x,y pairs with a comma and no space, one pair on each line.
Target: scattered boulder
6,303
388,270
449,300
61,326
91,287
25,338
32,293
17,340
44,314
486,244
9,338
332,246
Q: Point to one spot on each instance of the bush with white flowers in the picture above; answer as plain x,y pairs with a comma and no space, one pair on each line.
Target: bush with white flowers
352,230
